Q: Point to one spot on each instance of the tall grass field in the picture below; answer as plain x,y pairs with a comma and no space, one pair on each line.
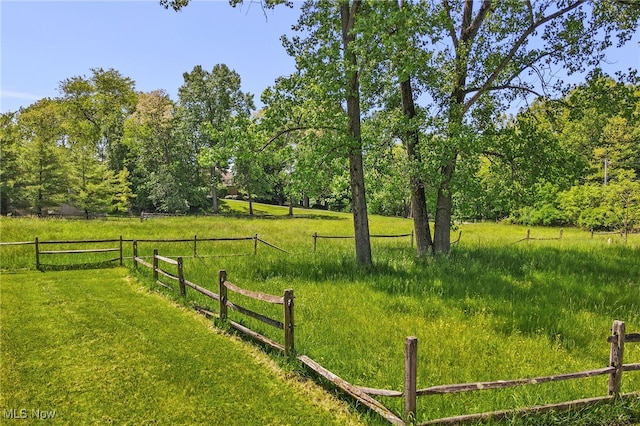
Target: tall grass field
496,308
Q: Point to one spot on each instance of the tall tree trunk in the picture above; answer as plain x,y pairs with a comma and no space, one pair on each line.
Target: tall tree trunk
214,191
444,207
418,197
359,207
348,14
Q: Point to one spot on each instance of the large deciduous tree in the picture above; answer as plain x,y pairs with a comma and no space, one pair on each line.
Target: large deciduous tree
489,52
97,107
324,95
209,101
161,175
327,56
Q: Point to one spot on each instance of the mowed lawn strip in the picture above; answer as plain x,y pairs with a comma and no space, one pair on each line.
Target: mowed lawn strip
94,347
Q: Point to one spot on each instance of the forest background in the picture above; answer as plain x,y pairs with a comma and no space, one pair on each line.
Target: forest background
408,100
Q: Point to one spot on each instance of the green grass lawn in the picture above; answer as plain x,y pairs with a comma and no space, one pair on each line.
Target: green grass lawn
495,309
96,348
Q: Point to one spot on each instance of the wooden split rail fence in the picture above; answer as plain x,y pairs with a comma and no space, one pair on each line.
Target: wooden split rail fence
98,246
530,238
315,237
224,288
195,240
410,393
40,252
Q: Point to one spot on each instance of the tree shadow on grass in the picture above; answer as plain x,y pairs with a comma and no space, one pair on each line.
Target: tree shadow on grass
542,290
79,266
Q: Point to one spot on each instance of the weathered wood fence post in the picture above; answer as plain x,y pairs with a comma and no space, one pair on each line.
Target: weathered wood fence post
37,254
155,264
183,287
410,378
561,232
121,258
412,237
616,357
222,277
315,241
255,244
195,246
289,348
135,254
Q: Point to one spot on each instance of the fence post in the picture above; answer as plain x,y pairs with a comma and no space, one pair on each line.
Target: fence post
135,254
410,378
289,348
528,234
412,237
561,232
37,254
616,357
195,246
155,264
255,244
222,277
183,287
120,250
315,241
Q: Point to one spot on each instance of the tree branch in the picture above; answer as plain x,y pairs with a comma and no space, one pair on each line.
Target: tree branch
477,21
295,129
452,33
531,17
505,61
507,86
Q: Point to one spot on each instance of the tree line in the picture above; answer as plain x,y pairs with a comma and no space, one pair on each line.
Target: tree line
395,107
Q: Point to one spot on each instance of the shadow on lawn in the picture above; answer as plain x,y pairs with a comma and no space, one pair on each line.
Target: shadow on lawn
531,290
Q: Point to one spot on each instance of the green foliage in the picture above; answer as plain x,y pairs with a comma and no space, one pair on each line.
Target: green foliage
122,195
10,174
210,102
612,207
97,107
42,159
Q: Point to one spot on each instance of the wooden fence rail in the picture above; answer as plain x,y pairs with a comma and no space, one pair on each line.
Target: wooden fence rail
286,300
39,251
410,393
315,237
530,238
195,240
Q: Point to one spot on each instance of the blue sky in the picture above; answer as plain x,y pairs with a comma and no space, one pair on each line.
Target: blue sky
45,42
